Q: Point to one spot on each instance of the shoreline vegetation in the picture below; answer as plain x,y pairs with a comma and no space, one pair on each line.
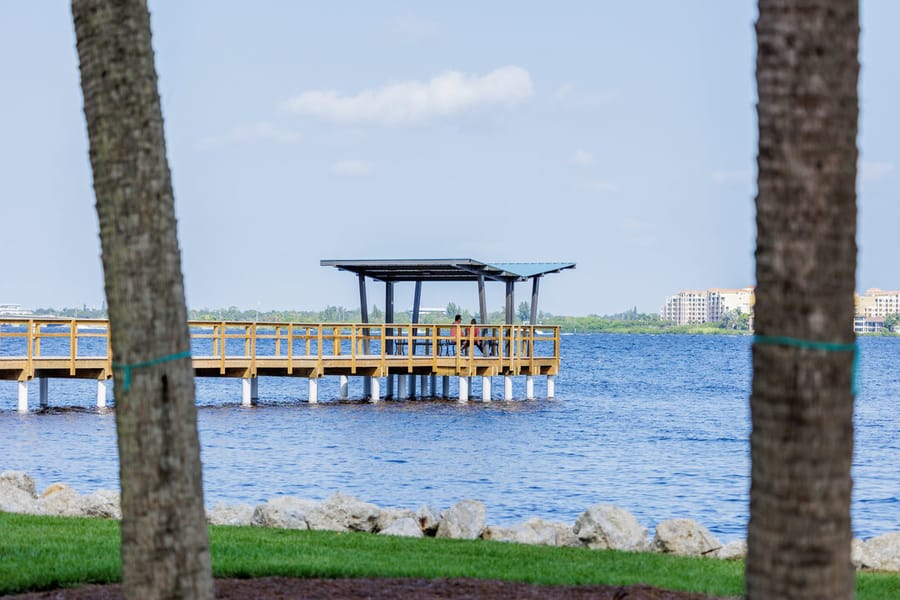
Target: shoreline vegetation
629,321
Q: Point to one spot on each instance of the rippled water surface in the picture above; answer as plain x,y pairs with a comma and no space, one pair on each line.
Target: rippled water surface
656,424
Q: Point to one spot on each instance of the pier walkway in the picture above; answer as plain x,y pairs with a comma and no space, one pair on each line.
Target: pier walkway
45,349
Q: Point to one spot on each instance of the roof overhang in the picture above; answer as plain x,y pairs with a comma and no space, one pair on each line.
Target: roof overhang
447,269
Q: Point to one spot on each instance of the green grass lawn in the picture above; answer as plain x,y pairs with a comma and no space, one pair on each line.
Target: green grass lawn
46,552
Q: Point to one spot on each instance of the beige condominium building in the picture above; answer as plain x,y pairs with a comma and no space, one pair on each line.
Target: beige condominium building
873,307
702,306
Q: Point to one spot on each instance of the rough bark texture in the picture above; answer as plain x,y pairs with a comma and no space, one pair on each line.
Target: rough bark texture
165,546
802,404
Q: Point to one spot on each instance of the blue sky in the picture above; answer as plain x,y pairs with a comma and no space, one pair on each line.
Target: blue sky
618,135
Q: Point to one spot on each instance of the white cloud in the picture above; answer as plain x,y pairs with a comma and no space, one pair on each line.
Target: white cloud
242,134
875,171
352,168
447,94
582,158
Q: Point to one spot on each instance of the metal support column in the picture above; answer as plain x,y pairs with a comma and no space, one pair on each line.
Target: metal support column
507,387
551,386
344,387
102,390
44,389
23,397
529,387
375,385
486,389
463,389
313,390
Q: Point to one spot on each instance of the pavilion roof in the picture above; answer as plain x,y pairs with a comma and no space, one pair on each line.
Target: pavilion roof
447,269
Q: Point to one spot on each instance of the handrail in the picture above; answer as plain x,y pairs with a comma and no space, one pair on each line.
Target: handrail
511,346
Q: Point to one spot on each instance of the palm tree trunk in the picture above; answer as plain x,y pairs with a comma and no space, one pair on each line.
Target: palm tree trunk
165,545
802,403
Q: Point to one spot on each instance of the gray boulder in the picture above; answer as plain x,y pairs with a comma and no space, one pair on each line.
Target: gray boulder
403,527
339,512
285,512
387,516
465,520
428,520
104,504
60,499
684,537
882,553
604,526
20,480
14,499
534,531
239,514
736,550
856,552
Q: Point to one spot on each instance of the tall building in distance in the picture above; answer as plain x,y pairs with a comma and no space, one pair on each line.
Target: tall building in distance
702,306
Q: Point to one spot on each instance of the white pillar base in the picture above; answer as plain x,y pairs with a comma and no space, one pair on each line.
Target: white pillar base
345,386
23,397
507,387
445,386
375,386
44,387
529,387
102,390
486,389
463,389
551,386
313,390
402,390
246,391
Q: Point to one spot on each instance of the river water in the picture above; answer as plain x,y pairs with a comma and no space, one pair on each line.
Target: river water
656,424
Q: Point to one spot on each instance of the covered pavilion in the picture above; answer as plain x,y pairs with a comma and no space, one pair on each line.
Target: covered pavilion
391,271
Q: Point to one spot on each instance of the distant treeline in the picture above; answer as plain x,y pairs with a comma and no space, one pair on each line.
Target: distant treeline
629,321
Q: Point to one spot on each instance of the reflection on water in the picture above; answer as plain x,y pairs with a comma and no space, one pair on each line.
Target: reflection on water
655,424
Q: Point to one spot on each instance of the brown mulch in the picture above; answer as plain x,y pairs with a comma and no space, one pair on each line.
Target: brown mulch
358,589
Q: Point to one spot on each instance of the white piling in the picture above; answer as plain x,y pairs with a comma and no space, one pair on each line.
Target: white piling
507,387
44,387
102,390
402,390
486,389
313,390
246,392
23,396
529,387
463,389
375,385
551,386
345,386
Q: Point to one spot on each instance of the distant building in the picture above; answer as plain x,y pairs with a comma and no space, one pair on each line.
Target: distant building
703,306
873,307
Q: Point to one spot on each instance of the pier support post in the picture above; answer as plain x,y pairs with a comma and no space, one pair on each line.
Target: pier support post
345,385
375,385
367,387
529,387
423,386
463,389
313,390
402,392
102,389
247,390
486,389
389,392
507,387
23,397
445,386
433,386
551,386
44,388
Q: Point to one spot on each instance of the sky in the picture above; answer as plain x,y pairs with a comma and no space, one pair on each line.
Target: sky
617,135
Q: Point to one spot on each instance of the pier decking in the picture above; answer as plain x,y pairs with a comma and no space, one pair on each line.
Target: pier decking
46,349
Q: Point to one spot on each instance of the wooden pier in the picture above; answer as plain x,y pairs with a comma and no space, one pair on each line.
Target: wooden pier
46,349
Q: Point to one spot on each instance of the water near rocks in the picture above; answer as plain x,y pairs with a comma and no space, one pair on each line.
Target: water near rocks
656,424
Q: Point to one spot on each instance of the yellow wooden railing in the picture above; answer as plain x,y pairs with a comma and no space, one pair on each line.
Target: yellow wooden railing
27,343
